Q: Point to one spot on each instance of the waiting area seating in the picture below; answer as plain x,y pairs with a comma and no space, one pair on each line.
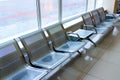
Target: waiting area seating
39,53
61,42
13,65
81,34
43,54
94,25
97,22
113,18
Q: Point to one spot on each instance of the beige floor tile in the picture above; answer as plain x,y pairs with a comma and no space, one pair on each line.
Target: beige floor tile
70,73
57,76
105,43
115,46
105,71
82,65
96,52
112,57
89,77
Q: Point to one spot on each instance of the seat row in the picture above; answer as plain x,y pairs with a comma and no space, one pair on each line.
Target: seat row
40,54
46,55
95,22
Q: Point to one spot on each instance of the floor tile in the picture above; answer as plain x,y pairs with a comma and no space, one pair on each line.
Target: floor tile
105,71
96,52
82,65
112,57
89,77
115,46
70,73
105,43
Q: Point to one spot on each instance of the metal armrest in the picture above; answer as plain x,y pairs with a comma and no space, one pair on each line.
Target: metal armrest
61,51
73,36
28,61
110,16
91,26
51,44
70,33
88,26
54,49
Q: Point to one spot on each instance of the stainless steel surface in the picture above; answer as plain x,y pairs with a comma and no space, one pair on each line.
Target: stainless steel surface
83,33
27,73
51,60
71,46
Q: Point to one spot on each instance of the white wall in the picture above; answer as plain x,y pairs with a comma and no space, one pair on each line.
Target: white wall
109,5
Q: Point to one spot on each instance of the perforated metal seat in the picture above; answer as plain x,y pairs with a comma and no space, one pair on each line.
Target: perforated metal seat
39,52
103,16
61,43
97,21
94,25
13,65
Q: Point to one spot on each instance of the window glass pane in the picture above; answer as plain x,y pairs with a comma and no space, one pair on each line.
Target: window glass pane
17,17
49,12
99,3
91,5
72,8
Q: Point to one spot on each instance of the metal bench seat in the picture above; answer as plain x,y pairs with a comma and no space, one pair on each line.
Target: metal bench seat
39,52
104,18
94,24
70,46
60,40
51,60
13,65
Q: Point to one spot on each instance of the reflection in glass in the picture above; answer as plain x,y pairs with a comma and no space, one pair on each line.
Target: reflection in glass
72,8
49,12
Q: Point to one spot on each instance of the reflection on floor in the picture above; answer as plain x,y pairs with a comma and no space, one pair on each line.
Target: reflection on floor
104,66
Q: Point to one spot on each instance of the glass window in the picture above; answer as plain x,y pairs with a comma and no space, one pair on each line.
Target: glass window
72,8
17,17
49,12
99,3
91,5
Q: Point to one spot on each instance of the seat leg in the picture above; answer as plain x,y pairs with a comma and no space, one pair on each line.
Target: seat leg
91,41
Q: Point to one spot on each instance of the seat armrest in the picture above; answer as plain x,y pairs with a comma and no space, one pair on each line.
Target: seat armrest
110,16
52,47
61,51
28,61
73,36
27,58
90,26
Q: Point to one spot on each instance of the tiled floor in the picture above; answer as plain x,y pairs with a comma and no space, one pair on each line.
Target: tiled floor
104,66
108,66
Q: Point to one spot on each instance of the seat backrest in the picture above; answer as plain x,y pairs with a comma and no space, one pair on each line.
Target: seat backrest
96,17
11,58
57,34
101,13
87,19
35,44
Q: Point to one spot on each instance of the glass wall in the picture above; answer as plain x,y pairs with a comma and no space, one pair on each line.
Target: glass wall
71,8
49,12
99,3
91,5
17,17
